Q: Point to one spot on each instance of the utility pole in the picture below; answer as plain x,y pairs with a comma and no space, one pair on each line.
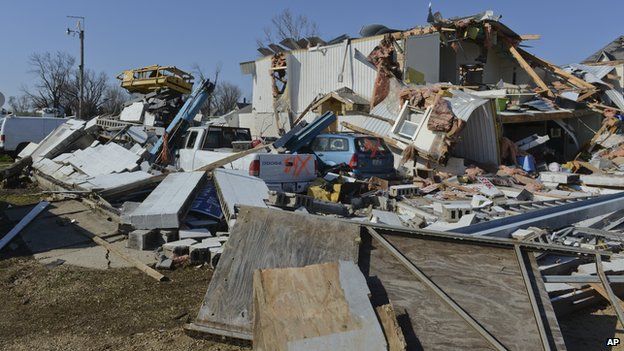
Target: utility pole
80,31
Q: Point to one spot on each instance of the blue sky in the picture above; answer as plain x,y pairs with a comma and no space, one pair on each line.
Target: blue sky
130,34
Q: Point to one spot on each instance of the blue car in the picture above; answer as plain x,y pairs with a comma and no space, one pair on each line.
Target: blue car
367,156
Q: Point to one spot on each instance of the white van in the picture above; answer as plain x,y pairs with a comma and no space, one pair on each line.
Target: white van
16,132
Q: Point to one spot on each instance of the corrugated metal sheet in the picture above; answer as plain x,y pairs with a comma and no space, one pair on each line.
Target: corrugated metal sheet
311,73
262,100
479,138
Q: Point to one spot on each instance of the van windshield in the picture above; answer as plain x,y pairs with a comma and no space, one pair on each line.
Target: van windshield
370,145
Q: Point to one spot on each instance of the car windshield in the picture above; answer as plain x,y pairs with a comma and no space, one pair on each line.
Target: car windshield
370,145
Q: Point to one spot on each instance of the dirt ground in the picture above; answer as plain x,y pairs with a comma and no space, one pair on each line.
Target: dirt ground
72,308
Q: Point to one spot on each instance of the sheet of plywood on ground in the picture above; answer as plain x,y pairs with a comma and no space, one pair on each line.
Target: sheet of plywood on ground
317,307
484,281
266,238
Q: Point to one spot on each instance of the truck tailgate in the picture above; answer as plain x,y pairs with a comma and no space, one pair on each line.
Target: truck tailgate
281,168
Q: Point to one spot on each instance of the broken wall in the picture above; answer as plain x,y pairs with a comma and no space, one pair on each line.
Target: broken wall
317,72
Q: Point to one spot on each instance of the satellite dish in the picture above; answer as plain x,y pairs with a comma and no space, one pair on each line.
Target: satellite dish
1,99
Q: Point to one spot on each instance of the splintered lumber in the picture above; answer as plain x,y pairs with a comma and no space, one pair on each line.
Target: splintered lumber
318,307
224,161
23,223
267,238
529,70
391,328
114,249
558,71
495,280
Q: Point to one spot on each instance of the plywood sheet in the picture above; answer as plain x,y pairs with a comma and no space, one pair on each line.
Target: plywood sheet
267,238
484,281
317,307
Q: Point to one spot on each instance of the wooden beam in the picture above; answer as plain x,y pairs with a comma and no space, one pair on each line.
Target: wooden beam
558,71
532,298
540,117
114,249
615,301
224,161
529,70
530,36
436,289
388,141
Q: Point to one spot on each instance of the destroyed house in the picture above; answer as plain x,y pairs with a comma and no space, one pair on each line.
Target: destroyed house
523,95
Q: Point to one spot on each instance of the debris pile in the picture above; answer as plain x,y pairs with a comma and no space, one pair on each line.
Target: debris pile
377,211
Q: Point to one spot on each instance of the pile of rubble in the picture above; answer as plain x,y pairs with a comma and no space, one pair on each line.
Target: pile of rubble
473,216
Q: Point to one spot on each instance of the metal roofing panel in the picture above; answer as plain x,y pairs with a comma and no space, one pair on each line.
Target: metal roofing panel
478,140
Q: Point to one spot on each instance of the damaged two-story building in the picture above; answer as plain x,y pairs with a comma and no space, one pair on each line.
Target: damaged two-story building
459,87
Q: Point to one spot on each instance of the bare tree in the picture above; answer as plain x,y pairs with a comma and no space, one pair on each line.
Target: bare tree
225,98
20,105
208,108
287,25
114,99
95,87
54,73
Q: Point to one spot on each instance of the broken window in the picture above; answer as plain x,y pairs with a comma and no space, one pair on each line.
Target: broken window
409,122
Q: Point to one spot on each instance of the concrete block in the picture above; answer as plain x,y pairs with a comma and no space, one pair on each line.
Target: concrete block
178,248
144,240
197,234
213,241
403,190
200,252
169,235
559,177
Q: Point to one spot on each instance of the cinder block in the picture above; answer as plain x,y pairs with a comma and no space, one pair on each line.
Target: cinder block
200,252
178,248
144,240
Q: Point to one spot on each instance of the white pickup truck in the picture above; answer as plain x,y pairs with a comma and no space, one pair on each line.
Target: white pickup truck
281,172
16,132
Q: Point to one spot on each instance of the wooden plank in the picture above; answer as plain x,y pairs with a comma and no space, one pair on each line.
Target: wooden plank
530,36
614,300
436,289
316,307
548,311
540,117
391,328
558,71
531,294
491,273
529,70
224,161
267,238
23,223
388,141
114,249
